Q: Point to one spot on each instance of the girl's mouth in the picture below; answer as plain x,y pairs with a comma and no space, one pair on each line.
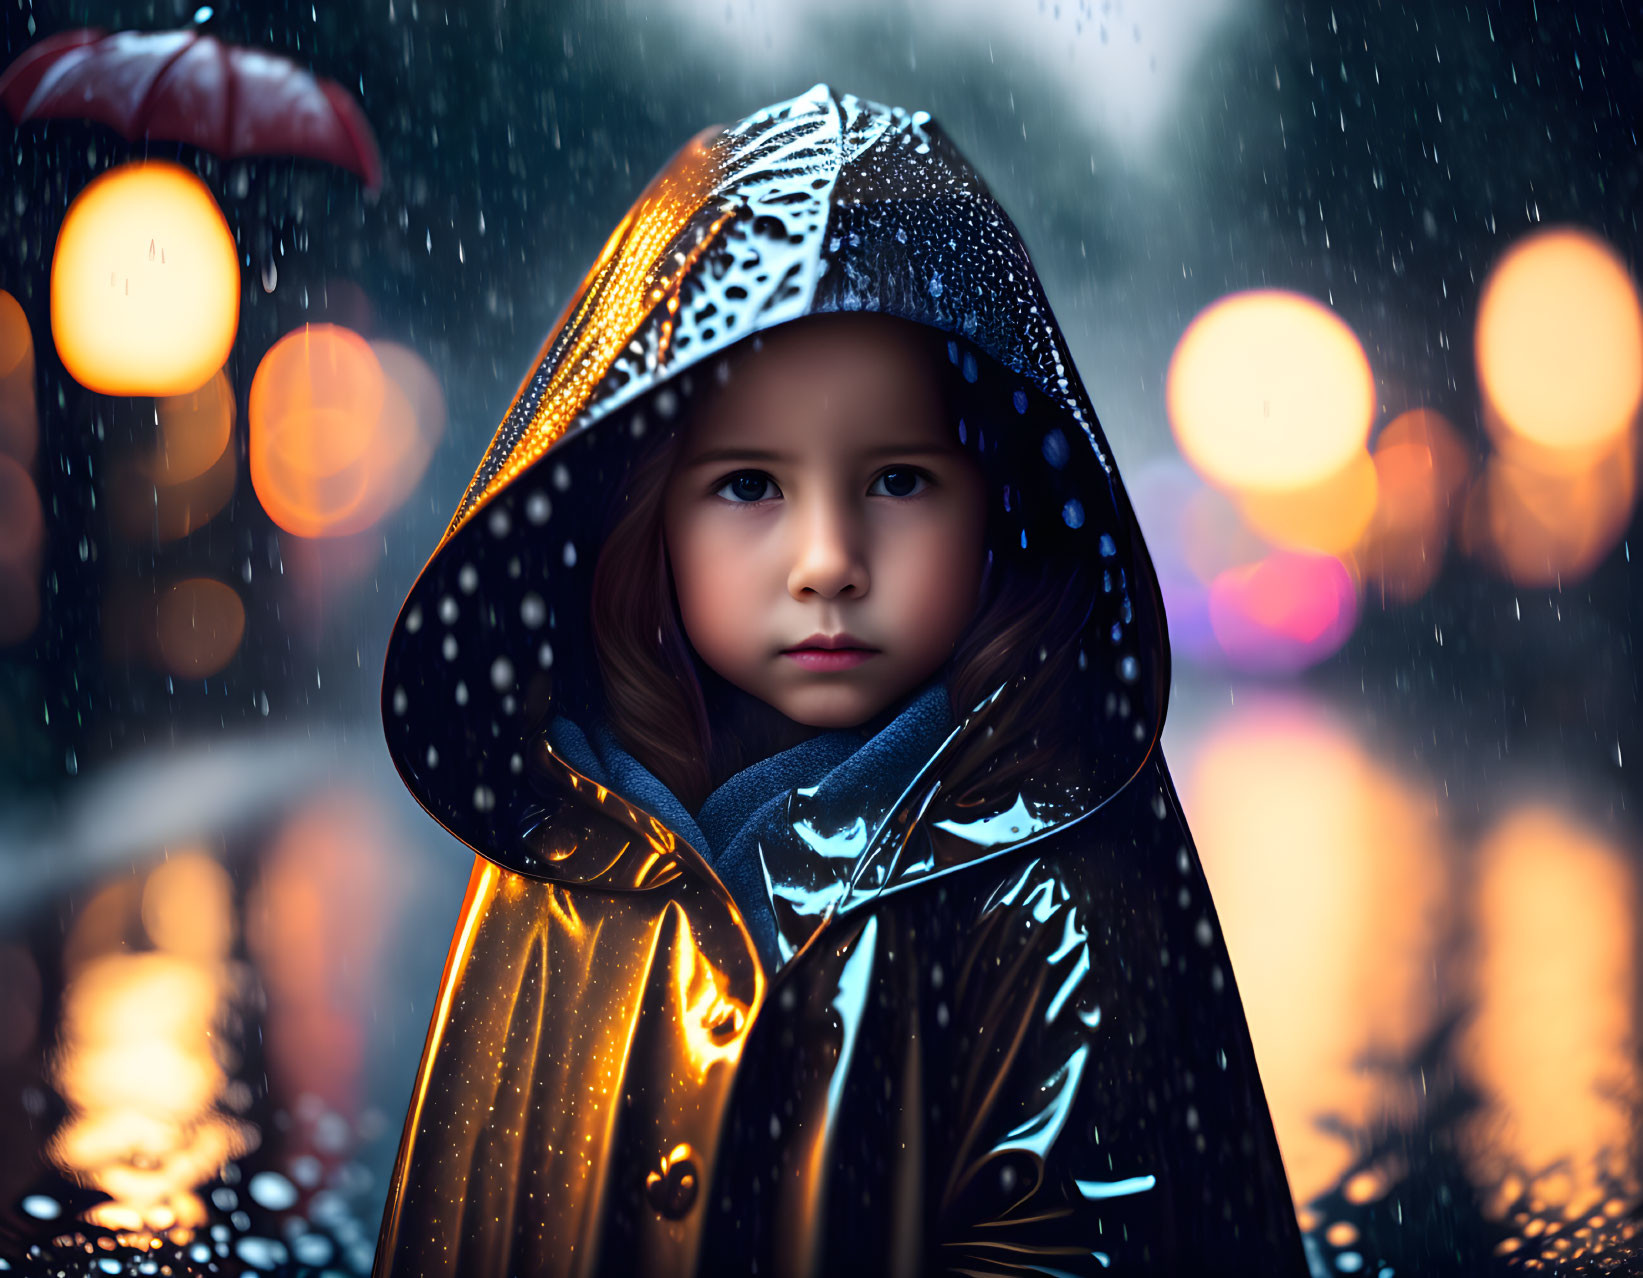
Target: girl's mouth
830,658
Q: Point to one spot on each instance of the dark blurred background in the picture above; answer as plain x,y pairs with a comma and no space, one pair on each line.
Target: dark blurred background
1353,289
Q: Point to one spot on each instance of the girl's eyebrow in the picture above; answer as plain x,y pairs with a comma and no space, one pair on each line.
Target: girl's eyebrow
765,454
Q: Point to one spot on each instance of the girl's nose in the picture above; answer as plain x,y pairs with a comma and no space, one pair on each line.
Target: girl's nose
828,556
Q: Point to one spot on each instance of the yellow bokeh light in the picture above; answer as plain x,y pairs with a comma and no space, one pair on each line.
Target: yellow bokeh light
1545,527
188,906
1269,390
1549,1040
1421,465
341,429
145,283
1560,341
316,925
140,1060
1327,516
179,483
314,403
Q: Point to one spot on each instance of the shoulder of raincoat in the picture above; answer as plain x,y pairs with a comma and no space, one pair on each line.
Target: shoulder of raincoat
1004,1041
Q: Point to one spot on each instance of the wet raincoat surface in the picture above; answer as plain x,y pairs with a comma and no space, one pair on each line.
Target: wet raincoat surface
1003,1041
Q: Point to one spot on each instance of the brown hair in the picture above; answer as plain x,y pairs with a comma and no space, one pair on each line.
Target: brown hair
1028,621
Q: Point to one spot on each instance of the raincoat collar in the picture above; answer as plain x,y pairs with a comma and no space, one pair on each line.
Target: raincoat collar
824,202
784,875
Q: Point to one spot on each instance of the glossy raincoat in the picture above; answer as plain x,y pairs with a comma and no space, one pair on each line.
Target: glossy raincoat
999,1042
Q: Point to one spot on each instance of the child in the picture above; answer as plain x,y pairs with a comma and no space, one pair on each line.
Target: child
796,667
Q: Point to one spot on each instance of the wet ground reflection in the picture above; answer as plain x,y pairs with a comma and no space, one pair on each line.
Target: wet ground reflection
209,1034
208,1048
1443,1005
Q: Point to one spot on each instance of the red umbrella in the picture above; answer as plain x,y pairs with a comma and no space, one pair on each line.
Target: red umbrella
184,86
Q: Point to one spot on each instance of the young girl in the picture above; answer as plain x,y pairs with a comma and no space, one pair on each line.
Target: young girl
796,668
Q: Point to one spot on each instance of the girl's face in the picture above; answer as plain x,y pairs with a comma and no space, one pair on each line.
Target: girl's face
821,491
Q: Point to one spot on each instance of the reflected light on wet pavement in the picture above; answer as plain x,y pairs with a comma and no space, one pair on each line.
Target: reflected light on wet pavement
1554,913
1418,994
208,1084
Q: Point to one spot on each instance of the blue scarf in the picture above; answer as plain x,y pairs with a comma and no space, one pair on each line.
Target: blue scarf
741,821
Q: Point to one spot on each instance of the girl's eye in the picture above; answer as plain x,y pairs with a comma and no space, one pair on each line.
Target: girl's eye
746,486
900,481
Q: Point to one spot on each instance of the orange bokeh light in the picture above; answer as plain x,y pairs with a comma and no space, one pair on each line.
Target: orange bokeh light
1332,952
19,426
413,422
1327,516
1421,464
188,476
199,627
145,283
1560,342
179,484
188,906
340,429
1269,390
316,924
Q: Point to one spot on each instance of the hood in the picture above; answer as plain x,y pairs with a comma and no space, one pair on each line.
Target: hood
826,202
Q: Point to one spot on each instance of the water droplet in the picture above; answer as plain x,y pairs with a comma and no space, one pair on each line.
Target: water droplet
262,1253
42,1207
272,1190
312,1249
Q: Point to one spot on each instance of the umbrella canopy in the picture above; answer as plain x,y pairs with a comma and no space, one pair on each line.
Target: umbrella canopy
185,86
